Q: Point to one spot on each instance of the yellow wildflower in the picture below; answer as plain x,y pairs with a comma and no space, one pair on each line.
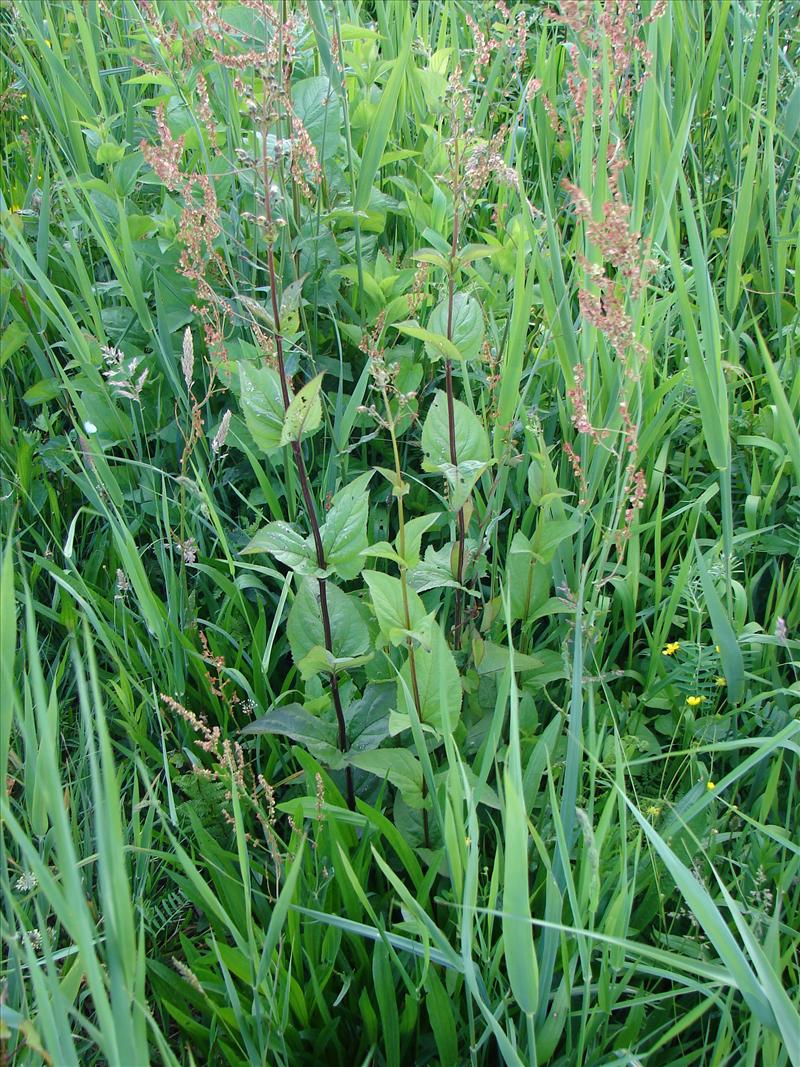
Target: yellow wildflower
720,681
711,785
695,702
671,648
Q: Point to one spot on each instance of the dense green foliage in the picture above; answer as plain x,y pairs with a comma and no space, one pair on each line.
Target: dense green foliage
400,496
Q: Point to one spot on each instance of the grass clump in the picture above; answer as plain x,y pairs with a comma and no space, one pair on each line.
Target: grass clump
400,495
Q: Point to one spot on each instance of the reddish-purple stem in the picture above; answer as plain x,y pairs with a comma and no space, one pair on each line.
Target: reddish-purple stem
307,495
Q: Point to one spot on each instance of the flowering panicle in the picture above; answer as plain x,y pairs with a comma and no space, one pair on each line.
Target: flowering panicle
120,373
187,358
485,164
617,32
383,378
205,114
577,472
187,974
231,770
165,157
220,687
619,246
636,493
483,48
580,408
416,297
221,435
198,227
521,42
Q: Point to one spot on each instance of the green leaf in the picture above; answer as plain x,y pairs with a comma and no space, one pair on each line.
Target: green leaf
435,571
520,955
438,684
349,633
304,414
430,255
386,996
382,550
380,128
344,534
295,722
441,1017
262,405
472,441
368,718
436,344
468,330
527,581
461,480
401,768
320,661
787,419
549,535
41,392
15,336
387,600
316,104
109,152
415,528
286,543
290,306
399,487
729,652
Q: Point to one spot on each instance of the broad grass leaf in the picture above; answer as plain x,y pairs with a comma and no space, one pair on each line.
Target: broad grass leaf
520,955
729,651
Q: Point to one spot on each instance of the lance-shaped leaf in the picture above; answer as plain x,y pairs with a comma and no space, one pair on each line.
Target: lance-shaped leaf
387,600
304,414
286,543
438,684
290,306
435,571
467,329
320,661
304,628
344,534
729,651
295,722
402,769
436,344
262,405
368,718
414,530
461,479
471,439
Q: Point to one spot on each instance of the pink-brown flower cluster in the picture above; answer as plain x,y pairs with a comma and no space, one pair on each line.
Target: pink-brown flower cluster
615,30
